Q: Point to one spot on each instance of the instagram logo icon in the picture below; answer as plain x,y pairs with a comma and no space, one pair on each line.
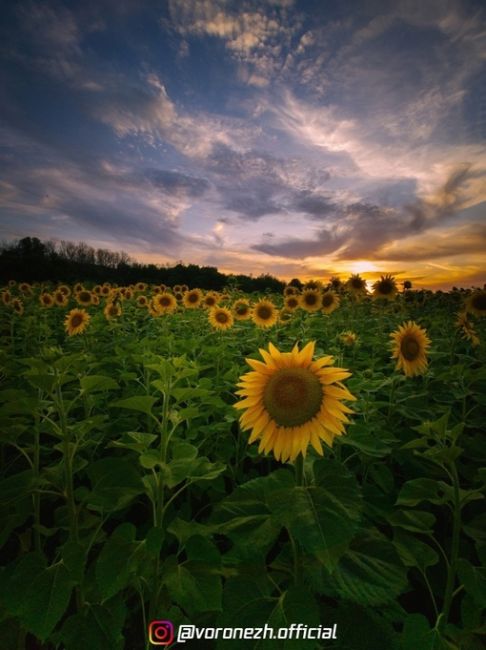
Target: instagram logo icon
161,633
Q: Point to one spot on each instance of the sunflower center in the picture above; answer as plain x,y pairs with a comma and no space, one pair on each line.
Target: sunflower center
241,310
264,312
327,300
165,302
293,396
311,299
357,284
221,317
210,301
76,320
193,297
292,302
385,287
84,296
479,302
410,348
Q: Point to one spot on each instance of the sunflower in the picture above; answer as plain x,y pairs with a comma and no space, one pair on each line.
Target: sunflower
211,299
177,288
60,298
142,301
193,298
329,302
76,321
220,318
25,288
127,294
84,297
242,309
385,288
105,290
178,295
476,303
112,310
12,283
184,288
407,285
356,285
18,306
97,289
46,300
291,302
468,331
292,401
264,313
64,289
410,348
349,338
140,286
335,283
315,285
290,290
310,300
78,287
6,297
164,303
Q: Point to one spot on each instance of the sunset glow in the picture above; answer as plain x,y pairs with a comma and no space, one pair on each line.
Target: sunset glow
284,137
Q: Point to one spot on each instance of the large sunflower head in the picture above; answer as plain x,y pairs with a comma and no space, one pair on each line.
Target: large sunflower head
220,318
241,309
410,344
476,303
164,303
46,300
84,297
193,298
76,321
291,401
385,288
310,300
329,302
264,313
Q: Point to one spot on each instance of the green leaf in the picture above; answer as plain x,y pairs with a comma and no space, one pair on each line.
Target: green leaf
424,489
143,403
116,563
417,521
414,552
195,586
322,519
370,572
474,580
245,515
46,600
96,383
97,627
115,483
417,634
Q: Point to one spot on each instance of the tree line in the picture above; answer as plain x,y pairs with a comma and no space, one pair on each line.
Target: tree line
33,260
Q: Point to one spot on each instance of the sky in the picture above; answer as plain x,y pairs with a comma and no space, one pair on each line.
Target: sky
297,138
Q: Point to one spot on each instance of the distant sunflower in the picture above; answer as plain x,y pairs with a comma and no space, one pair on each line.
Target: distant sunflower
177,288
140,286
25,288
264,313
12,283
210,299
476,303
78,287
241,309
179,296
410,344
60,298
313,284
335,283
356,285
128,293
142,301
18,306
291,302
291,401
310,300
184,288
329,302
407,285
105,290
193,298
64,289
6,297
112,310
385,288
84,298
290,290
97,289
164,303
349,338
76,321
46,300
468,331
220,318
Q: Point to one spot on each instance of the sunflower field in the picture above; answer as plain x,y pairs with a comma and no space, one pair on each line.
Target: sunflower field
226,460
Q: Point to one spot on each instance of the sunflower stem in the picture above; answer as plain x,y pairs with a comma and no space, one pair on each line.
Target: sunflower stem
456,529
299,470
